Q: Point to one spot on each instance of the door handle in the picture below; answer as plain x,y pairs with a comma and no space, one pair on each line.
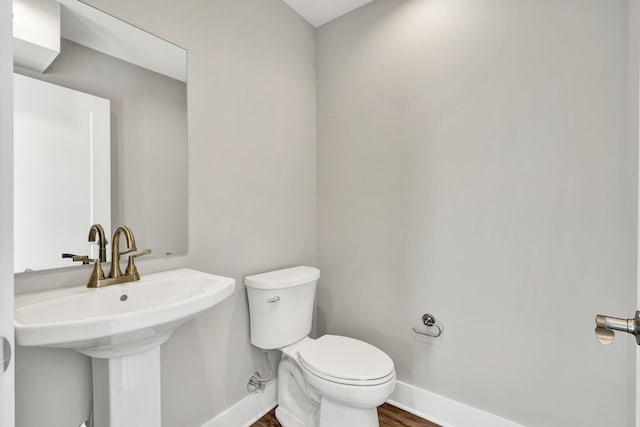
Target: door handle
606,325
5,354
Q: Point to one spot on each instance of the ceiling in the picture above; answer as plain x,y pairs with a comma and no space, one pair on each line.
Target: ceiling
319,12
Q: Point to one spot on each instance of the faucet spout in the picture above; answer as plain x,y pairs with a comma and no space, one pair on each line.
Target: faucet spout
96,229
115,270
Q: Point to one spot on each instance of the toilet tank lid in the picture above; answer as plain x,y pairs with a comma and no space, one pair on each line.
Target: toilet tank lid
284,278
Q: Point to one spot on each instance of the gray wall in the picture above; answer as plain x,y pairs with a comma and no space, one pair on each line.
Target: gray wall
148,142
252,198
473,163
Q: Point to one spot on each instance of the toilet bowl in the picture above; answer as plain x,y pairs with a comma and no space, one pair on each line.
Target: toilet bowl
332,381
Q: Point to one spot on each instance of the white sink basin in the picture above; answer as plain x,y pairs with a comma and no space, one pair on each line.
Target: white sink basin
121,327
110,321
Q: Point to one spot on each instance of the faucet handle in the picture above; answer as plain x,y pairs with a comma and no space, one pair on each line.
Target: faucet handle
142,252
96,275
132,270
84,259
128,251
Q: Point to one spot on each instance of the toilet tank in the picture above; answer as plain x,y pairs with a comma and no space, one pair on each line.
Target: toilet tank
281,305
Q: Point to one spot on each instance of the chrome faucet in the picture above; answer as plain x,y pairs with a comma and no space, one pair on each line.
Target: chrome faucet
98,279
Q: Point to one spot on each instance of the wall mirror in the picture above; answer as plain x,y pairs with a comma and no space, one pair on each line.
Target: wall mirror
100,137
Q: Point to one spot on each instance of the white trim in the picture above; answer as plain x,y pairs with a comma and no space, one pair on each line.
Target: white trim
248,410
36,33
442,410
423,403
7,379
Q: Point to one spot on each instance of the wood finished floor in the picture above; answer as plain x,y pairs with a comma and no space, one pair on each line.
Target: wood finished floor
389,416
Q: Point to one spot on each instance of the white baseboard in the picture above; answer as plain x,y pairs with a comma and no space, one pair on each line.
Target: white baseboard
248,410
423,403
442,410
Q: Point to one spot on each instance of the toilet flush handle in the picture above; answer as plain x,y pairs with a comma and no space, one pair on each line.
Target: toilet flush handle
274,299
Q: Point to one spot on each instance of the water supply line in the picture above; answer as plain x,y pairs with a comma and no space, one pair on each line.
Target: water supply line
256,382
89,422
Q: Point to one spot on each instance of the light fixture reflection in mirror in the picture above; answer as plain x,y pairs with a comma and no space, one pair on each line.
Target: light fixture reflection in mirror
143,77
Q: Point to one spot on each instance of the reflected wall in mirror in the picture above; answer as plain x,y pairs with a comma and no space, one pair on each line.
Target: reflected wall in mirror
144,79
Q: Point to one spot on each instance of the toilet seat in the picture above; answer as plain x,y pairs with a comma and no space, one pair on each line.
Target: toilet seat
346,361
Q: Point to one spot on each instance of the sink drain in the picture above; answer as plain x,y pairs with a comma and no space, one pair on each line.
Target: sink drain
123,297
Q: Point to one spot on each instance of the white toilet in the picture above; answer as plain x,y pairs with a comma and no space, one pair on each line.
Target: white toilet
332,381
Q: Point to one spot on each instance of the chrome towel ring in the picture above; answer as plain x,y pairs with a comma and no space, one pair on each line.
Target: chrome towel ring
429,321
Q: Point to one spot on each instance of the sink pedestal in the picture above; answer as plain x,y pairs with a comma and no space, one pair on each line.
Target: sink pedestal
126,390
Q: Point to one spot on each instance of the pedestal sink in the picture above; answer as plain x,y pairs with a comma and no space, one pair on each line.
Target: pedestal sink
121,327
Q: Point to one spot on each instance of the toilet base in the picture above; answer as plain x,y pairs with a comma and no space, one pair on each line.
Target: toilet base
331,415
300,404
297,405
336,415
287,419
